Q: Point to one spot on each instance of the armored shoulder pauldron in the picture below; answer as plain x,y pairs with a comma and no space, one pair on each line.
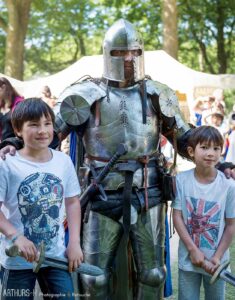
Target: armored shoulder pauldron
76,101
168,102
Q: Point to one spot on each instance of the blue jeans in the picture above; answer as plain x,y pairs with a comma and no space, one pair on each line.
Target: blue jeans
20,284
190,283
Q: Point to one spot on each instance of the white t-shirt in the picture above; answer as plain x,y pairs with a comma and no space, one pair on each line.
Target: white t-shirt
230,157
204,209
34,195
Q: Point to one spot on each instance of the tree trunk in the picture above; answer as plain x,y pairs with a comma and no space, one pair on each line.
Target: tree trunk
18,18
170,30
82,46
221,53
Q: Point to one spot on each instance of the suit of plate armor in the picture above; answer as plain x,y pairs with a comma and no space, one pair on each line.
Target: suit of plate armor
105,115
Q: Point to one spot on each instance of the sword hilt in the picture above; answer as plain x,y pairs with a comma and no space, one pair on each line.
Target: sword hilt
37,265
13,251
216,275
95,185
121,150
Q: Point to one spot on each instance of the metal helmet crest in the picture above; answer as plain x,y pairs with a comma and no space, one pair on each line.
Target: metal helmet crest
122,35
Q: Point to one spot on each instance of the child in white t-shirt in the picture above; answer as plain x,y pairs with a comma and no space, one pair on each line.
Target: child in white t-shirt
204,217
38,186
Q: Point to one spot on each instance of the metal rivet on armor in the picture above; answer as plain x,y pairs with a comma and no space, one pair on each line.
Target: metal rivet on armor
122,105
124,119
97,137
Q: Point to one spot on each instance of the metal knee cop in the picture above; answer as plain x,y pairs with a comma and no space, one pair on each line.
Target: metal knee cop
153,277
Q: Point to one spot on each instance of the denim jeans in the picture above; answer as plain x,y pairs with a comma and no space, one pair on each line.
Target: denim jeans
190,283
20,284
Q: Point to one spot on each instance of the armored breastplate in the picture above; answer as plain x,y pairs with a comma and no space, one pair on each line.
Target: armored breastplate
110,117
121,121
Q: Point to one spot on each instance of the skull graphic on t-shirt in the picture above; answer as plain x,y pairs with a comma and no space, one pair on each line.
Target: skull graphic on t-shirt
40,197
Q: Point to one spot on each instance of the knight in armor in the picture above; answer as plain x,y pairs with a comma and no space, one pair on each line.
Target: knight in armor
124,106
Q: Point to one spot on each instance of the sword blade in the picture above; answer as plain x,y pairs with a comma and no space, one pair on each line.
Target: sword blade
228,277
57,262
62,263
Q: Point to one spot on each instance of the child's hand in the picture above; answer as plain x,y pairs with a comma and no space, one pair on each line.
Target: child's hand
26,248
210,266
75,255
197,257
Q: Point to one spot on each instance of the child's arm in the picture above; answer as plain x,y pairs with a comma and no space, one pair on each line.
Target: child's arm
196,256
224,244
73,213
25,246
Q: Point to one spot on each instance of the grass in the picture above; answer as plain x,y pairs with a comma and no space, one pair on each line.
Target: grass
230,290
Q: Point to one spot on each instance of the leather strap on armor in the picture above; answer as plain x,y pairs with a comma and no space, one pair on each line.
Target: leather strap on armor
143,93
145,160
127,201
129,168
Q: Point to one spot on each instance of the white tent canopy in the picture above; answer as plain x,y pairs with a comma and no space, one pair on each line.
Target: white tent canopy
158,64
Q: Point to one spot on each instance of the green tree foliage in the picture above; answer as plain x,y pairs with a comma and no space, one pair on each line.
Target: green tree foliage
2,52
60,32
207,27
229,97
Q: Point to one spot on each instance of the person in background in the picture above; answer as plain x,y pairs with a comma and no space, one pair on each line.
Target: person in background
202,108
230,139
208,108
9,98
204,217
46,96
218,95
216,120
197,108
1,119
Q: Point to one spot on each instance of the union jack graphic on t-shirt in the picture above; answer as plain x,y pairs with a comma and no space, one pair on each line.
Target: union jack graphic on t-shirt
203,219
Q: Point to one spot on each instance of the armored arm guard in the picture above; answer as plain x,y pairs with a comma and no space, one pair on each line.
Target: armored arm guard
166,105
13,141
226,165
18,143
74,105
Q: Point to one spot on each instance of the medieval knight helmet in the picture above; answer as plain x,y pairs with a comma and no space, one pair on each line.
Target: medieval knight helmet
122,35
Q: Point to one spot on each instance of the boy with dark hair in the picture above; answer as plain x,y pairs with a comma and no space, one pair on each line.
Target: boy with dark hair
204,216
38,186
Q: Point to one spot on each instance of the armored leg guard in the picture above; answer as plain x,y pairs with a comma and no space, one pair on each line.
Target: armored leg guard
147,238
101,237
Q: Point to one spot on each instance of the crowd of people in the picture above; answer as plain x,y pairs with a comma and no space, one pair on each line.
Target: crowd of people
211,110
127,214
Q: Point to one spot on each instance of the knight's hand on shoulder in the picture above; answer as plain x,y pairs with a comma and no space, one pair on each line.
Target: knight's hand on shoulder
7,149
228,168
229,173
